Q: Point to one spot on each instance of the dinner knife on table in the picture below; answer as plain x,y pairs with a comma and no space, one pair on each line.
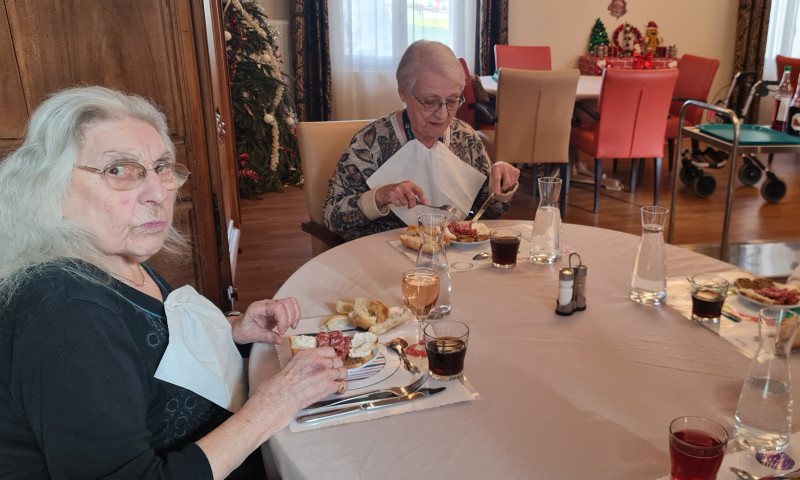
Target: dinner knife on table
361,398
328,414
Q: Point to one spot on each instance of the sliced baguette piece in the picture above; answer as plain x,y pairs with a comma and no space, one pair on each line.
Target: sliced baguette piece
397,316
302,342
362,349
343,308
379,310
337,322
750,293
361,316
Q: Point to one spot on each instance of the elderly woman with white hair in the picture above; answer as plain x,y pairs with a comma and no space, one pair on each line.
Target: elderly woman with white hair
430,82
94,382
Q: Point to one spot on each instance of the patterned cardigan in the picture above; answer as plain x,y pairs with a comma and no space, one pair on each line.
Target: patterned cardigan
373,145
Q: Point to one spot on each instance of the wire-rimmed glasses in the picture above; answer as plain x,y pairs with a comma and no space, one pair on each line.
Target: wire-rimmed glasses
432,105
129,175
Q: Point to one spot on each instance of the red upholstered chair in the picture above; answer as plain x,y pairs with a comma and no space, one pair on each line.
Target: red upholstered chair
522,57
695,75
631,121
782,61
477,114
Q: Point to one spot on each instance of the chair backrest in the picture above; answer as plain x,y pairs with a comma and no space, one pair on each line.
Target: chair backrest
522,57
633,107
321,146
465,112
782,61
534,112
695,75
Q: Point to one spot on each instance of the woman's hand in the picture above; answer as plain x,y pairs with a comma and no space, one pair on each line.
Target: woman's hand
403,194
503,177
266,321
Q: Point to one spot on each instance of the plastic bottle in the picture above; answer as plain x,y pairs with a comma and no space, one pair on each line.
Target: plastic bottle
793,115
783,95
763,419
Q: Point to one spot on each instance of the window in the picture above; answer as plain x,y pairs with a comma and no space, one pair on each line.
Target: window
783,34
368,37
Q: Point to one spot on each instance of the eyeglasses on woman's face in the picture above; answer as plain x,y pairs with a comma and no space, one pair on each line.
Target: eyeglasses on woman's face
129,175
433,104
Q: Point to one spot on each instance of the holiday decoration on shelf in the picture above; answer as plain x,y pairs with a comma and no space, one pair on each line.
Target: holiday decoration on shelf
643,61
263,104
598,36
628,39
618,8
651,38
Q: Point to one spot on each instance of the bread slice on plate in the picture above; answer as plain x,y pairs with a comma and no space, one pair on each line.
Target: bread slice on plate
301,342
337,322
363,348
397,316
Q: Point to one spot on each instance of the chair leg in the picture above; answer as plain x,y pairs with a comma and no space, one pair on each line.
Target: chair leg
535,176
598,172
641,172
670,152
656,180
634,174
565,174
614,166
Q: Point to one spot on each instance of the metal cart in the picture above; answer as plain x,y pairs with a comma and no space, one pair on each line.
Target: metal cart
733,147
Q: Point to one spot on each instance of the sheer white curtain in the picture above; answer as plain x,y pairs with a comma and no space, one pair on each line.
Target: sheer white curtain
368,37
783,34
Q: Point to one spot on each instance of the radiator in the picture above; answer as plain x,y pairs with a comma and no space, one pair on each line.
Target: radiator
284,42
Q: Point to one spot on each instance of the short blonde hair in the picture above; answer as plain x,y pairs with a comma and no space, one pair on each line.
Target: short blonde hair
427,55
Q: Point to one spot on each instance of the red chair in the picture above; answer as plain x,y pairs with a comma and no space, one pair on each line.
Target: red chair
695,75
782,61
476,114
522,57
630,122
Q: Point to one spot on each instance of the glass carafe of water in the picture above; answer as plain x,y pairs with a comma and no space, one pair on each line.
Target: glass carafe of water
763,419
649,279
546,236
432,255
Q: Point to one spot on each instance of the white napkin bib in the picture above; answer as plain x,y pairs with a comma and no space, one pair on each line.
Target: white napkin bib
201,355
444,178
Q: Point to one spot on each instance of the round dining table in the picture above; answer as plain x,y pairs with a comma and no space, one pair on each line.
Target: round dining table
584,396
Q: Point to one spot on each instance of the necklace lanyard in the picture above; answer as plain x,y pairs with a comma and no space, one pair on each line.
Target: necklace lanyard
407,127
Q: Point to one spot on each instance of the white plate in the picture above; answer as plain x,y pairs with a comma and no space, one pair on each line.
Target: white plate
762,304
468,245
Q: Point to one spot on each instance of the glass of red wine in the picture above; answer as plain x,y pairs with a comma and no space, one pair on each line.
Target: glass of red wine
696,448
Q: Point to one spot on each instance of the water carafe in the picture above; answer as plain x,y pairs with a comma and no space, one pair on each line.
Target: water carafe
649,278
763,419
546,236
432,255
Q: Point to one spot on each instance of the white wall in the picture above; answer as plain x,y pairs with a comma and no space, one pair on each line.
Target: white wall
699,27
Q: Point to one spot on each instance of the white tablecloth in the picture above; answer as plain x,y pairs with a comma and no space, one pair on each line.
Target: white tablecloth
584,396
588,86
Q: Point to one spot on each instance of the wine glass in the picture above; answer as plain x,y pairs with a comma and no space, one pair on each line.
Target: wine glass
420,293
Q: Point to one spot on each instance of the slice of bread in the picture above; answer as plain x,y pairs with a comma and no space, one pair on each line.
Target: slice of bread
337,322
301,342
362,349
397,316
361,316
747,288
412,239
343,307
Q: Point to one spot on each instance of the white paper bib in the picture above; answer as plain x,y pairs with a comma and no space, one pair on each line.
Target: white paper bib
201,355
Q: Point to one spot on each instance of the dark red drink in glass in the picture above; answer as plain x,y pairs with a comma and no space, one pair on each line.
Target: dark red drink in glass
695,454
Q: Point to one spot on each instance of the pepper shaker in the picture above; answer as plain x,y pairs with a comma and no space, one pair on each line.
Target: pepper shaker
580,287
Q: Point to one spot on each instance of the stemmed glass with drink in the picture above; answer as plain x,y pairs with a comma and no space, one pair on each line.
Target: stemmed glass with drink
420,294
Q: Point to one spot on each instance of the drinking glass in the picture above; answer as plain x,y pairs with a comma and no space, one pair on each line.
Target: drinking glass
708,295
446,342
420,294
696,448
504,243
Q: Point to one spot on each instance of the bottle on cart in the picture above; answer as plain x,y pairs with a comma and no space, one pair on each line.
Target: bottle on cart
783,95
793,115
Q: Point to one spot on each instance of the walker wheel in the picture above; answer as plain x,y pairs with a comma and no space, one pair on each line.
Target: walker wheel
773,189
704,185
688,173
749,174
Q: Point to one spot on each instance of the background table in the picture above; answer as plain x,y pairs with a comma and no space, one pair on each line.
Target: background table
588,86
584,396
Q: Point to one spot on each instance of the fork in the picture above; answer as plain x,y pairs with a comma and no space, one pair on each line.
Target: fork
452,210
396,391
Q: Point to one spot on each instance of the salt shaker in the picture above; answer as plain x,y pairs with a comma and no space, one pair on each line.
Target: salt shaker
564,303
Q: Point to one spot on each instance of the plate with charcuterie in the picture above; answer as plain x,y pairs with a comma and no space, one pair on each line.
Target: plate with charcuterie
460,235
763,292
353,333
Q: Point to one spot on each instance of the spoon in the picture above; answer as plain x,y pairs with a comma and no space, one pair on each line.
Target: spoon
744,475
481,256
399,345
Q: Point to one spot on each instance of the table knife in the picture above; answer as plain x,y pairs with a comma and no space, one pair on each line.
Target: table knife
362,398
316,417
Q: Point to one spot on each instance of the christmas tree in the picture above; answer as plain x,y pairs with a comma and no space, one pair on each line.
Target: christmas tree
263,104
598,35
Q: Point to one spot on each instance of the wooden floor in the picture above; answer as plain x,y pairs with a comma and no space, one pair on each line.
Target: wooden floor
273,246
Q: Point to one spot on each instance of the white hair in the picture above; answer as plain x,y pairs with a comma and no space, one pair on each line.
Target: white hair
430,56
35,178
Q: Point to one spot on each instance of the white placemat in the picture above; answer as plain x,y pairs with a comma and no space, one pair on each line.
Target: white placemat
383,372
